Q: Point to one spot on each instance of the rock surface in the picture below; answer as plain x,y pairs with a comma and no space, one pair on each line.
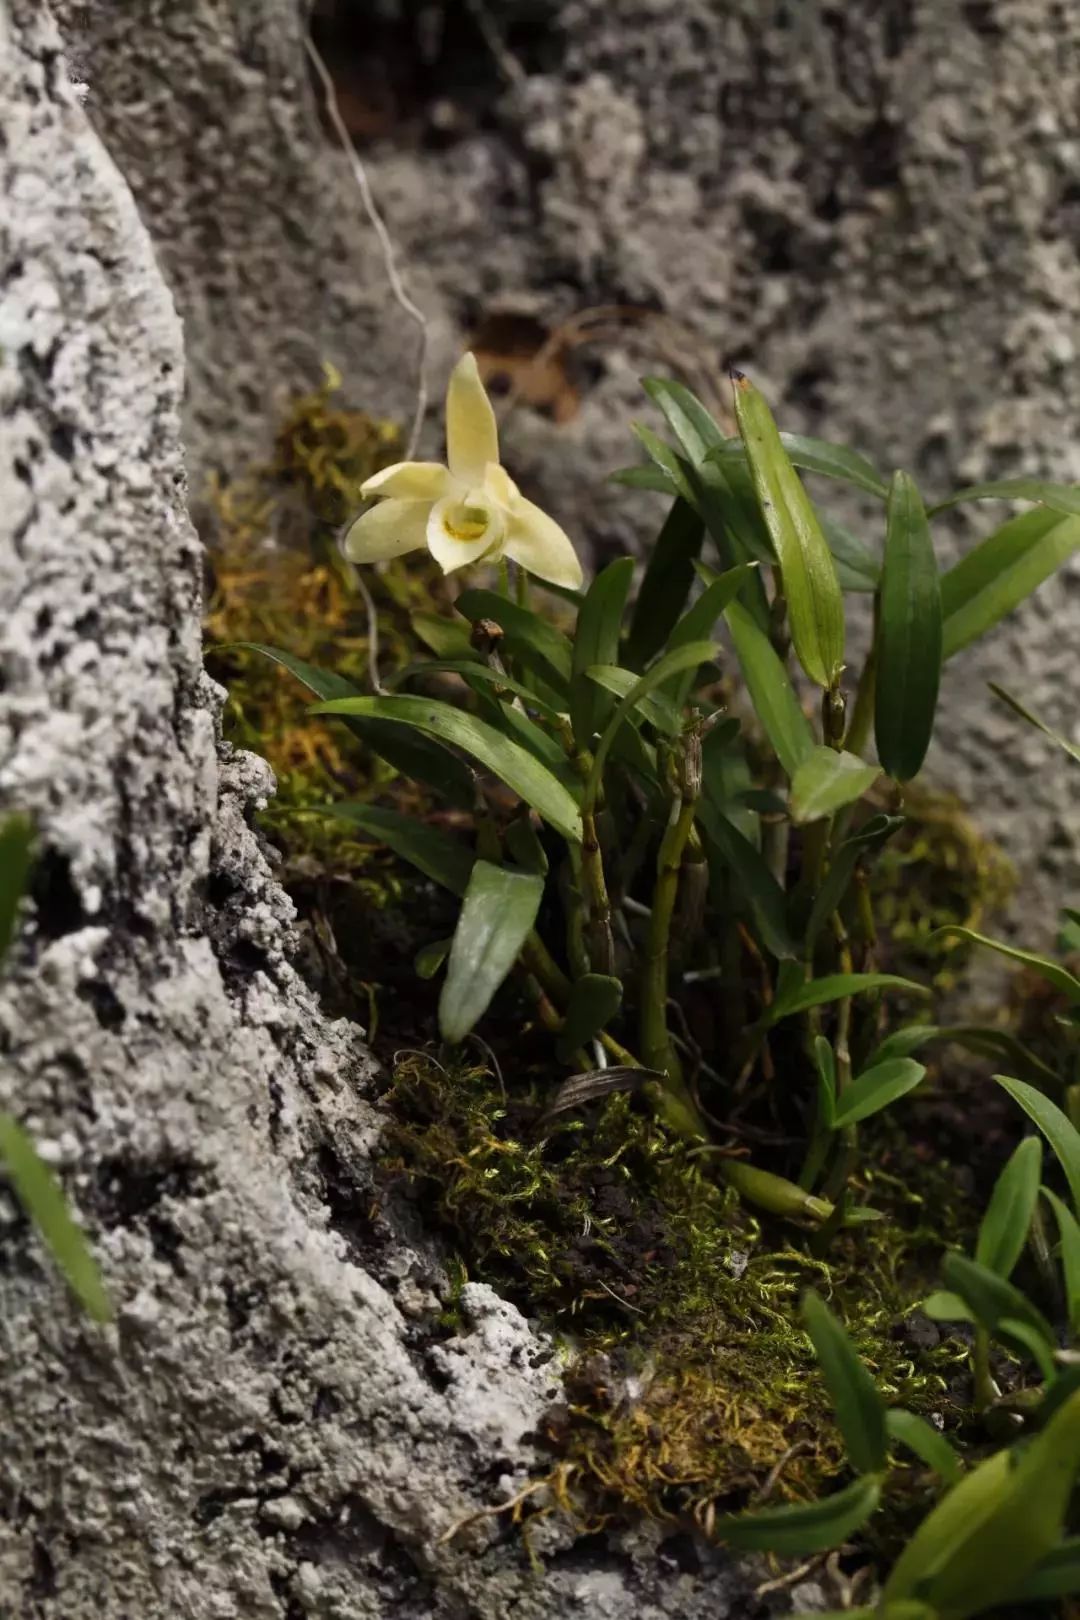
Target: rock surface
274,1426
871,206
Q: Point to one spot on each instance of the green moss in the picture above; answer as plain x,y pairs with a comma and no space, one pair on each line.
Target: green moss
691,1383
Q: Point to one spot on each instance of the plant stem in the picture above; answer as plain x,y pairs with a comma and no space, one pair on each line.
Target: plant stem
986,1390
601,941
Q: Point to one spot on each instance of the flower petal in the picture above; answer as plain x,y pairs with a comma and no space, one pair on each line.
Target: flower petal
472,438
408,481
448,549
499,487
389,530
536,542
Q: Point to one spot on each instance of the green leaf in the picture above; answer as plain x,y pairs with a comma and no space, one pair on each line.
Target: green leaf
875,1089
440,857
594,1001
802,1527
446,638
944,1306
817,455
857,1402
526,636
654,707
826,781
984,1039
669,575
497,915
1052,972
909,636
834,987
910,1430
596,641
42,1197
508,760
691,656
763,895
1056,1126
430,958
1033,720
652,478
997,575
1057,1576
523,842
995,1528
857,569
1005,1225
667,460
825,1065
699,621
1059,497
992,1300
421,759
815,605
471,671
771,692
16,843
1069,1230
842,864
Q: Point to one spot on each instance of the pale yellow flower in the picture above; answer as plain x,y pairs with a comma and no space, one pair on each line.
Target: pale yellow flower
470,511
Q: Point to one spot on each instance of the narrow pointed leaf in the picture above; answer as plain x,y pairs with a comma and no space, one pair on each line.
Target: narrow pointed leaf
652,478
1055,1125
991,1299
825,1064
594,1001
497,915
803,1527
818,456
596,641
857,569
521,771
1069,1230
815,605
924,1441
1057,1576
1058,497
421,759
443,859
857,1402
1033,720
842,864
699,621
691,656
446,638
527,636
834,987
770,689
996,1527
654,707
16,842
669,576
944,1306
764,897
909,638
471,671
826,781
523,842
430,958
42,1197
1007,1221
994,578
875,1089
1064,981
667,460
981,1038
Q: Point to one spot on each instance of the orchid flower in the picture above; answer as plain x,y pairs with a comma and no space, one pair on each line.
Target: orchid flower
470,511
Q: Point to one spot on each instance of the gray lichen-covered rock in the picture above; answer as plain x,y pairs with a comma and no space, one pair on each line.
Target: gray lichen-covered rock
872,206
273,1427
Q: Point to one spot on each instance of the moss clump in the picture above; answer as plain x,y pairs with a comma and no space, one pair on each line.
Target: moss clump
939,869
692,1386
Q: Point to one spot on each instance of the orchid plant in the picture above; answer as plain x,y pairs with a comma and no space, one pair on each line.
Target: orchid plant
703,842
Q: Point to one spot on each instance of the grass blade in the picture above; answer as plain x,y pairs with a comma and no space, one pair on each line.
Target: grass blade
42,1197
909,638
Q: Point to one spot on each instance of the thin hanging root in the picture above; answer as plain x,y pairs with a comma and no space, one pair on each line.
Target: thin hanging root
375,219
556,1483
792,1576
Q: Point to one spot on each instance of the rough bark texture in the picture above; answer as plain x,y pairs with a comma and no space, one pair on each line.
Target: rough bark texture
872,206
275,1426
